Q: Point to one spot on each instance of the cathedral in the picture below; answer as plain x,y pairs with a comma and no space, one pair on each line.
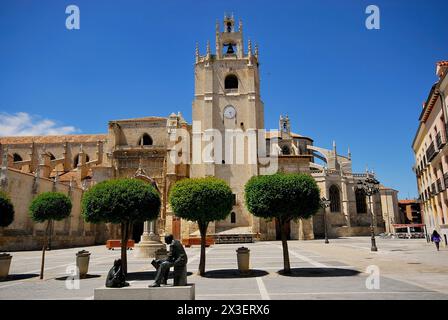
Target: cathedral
226,139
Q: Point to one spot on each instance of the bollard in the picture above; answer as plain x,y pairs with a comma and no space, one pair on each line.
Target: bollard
243,260
82,262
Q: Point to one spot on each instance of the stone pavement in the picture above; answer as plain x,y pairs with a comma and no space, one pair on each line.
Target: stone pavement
409,269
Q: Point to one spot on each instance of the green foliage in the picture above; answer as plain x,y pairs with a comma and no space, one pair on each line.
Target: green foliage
121,200
201,199
50,206
284,196
6,210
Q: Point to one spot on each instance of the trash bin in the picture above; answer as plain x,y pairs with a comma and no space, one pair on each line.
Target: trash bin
82,262
242,254
5,262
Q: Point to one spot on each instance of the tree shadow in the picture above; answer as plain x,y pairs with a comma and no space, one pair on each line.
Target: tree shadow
233,274
320,272
147,275
13,277
88,276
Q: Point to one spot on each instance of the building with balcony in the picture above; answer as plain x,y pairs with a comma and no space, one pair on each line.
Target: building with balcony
431,155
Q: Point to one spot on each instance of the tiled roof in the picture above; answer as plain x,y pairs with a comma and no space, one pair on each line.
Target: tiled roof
80,138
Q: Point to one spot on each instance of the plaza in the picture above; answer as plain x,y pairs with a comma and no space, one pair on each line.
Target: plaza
408,269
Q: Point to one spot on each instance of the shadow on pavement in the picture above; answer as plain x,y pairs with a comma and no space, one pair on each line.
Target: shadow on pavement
88,276
13,277
320,272
234,273
147,275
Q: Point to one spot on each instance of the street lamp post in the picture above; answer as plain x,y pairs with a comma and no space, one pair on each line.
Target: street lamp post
325,204
370,186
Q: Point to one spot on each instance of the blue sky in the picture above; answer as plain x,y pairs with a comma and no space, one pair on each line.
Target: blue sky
335,79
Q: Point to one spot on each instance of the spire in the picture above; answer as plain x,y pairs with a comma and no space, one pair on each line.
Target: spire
208,49
240,26
334,147
217,26
256,51
249,53
197,53
349,154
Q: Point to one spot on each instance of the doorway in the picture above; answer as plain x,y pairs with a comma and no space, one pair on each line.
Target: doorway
137,231
176,227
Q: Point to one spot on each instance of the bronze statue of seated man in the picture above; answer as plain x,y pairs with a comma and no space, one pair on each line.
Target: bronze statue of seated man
177,258
115,277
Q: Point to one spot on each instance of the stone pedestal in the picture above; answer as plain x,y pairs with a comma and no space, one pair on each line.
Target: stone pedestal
149,242
143,292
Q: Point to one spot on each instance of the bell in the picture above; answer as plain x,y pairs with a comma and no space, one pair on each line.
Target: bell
230,49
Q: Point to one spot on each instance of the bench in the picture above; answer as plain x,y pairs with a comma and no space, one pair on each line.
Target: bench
111,244
188,242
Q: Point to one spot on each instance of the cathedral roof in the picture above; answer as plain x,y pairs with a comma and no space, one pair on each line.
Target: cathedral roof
140,119
276,134
78,138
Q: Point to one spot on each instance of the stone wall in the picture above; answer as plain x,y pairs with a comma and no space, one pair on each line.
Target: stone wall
24,234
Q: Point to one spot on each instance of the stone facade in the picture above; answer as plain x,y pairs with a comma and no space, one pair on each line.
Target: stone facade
224,140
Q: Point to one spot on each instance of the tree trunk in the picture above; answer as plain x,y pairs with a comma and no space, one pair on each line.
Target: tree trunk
283,228
44,247
203,230
124,246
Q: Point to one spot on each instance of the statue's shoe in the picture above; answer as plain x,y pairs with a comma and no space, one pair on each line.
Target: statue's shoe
154,285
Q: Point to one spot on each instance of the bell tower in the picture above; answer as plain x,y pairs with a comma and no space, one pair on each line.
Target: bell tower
227,99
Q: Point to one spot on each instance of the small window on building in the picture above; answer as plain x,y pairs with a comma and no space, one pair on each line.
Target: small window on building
361,205
233,217
335,199
76,160
234,199
17,157
286,150
145,140
231,82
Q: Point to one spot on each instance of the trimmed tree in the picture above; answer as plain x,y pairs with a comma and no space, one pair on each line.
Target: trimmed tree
201,200
284,197
49,206
6,210
121,201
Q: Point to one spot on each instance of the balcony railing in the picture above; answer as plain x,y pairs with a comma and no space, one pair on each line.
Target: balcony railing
445,179
440,141
439,185
431,152
433,189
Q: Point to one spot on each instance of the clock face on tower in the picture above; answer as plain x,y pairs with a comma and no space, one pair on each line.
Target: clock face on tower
229,112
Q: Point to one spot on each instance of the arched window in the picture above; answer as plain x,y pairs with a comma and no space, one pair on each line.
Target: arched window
17,157
145,140
233,217
361,204
231,82
76,161
335,199
286,150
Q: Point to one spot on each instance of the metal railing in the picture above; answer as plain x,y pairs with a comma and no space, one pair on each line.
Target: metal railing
431,152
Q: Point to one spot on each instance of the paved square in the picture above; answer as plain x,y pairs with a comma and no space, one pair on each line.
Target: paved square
409,269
